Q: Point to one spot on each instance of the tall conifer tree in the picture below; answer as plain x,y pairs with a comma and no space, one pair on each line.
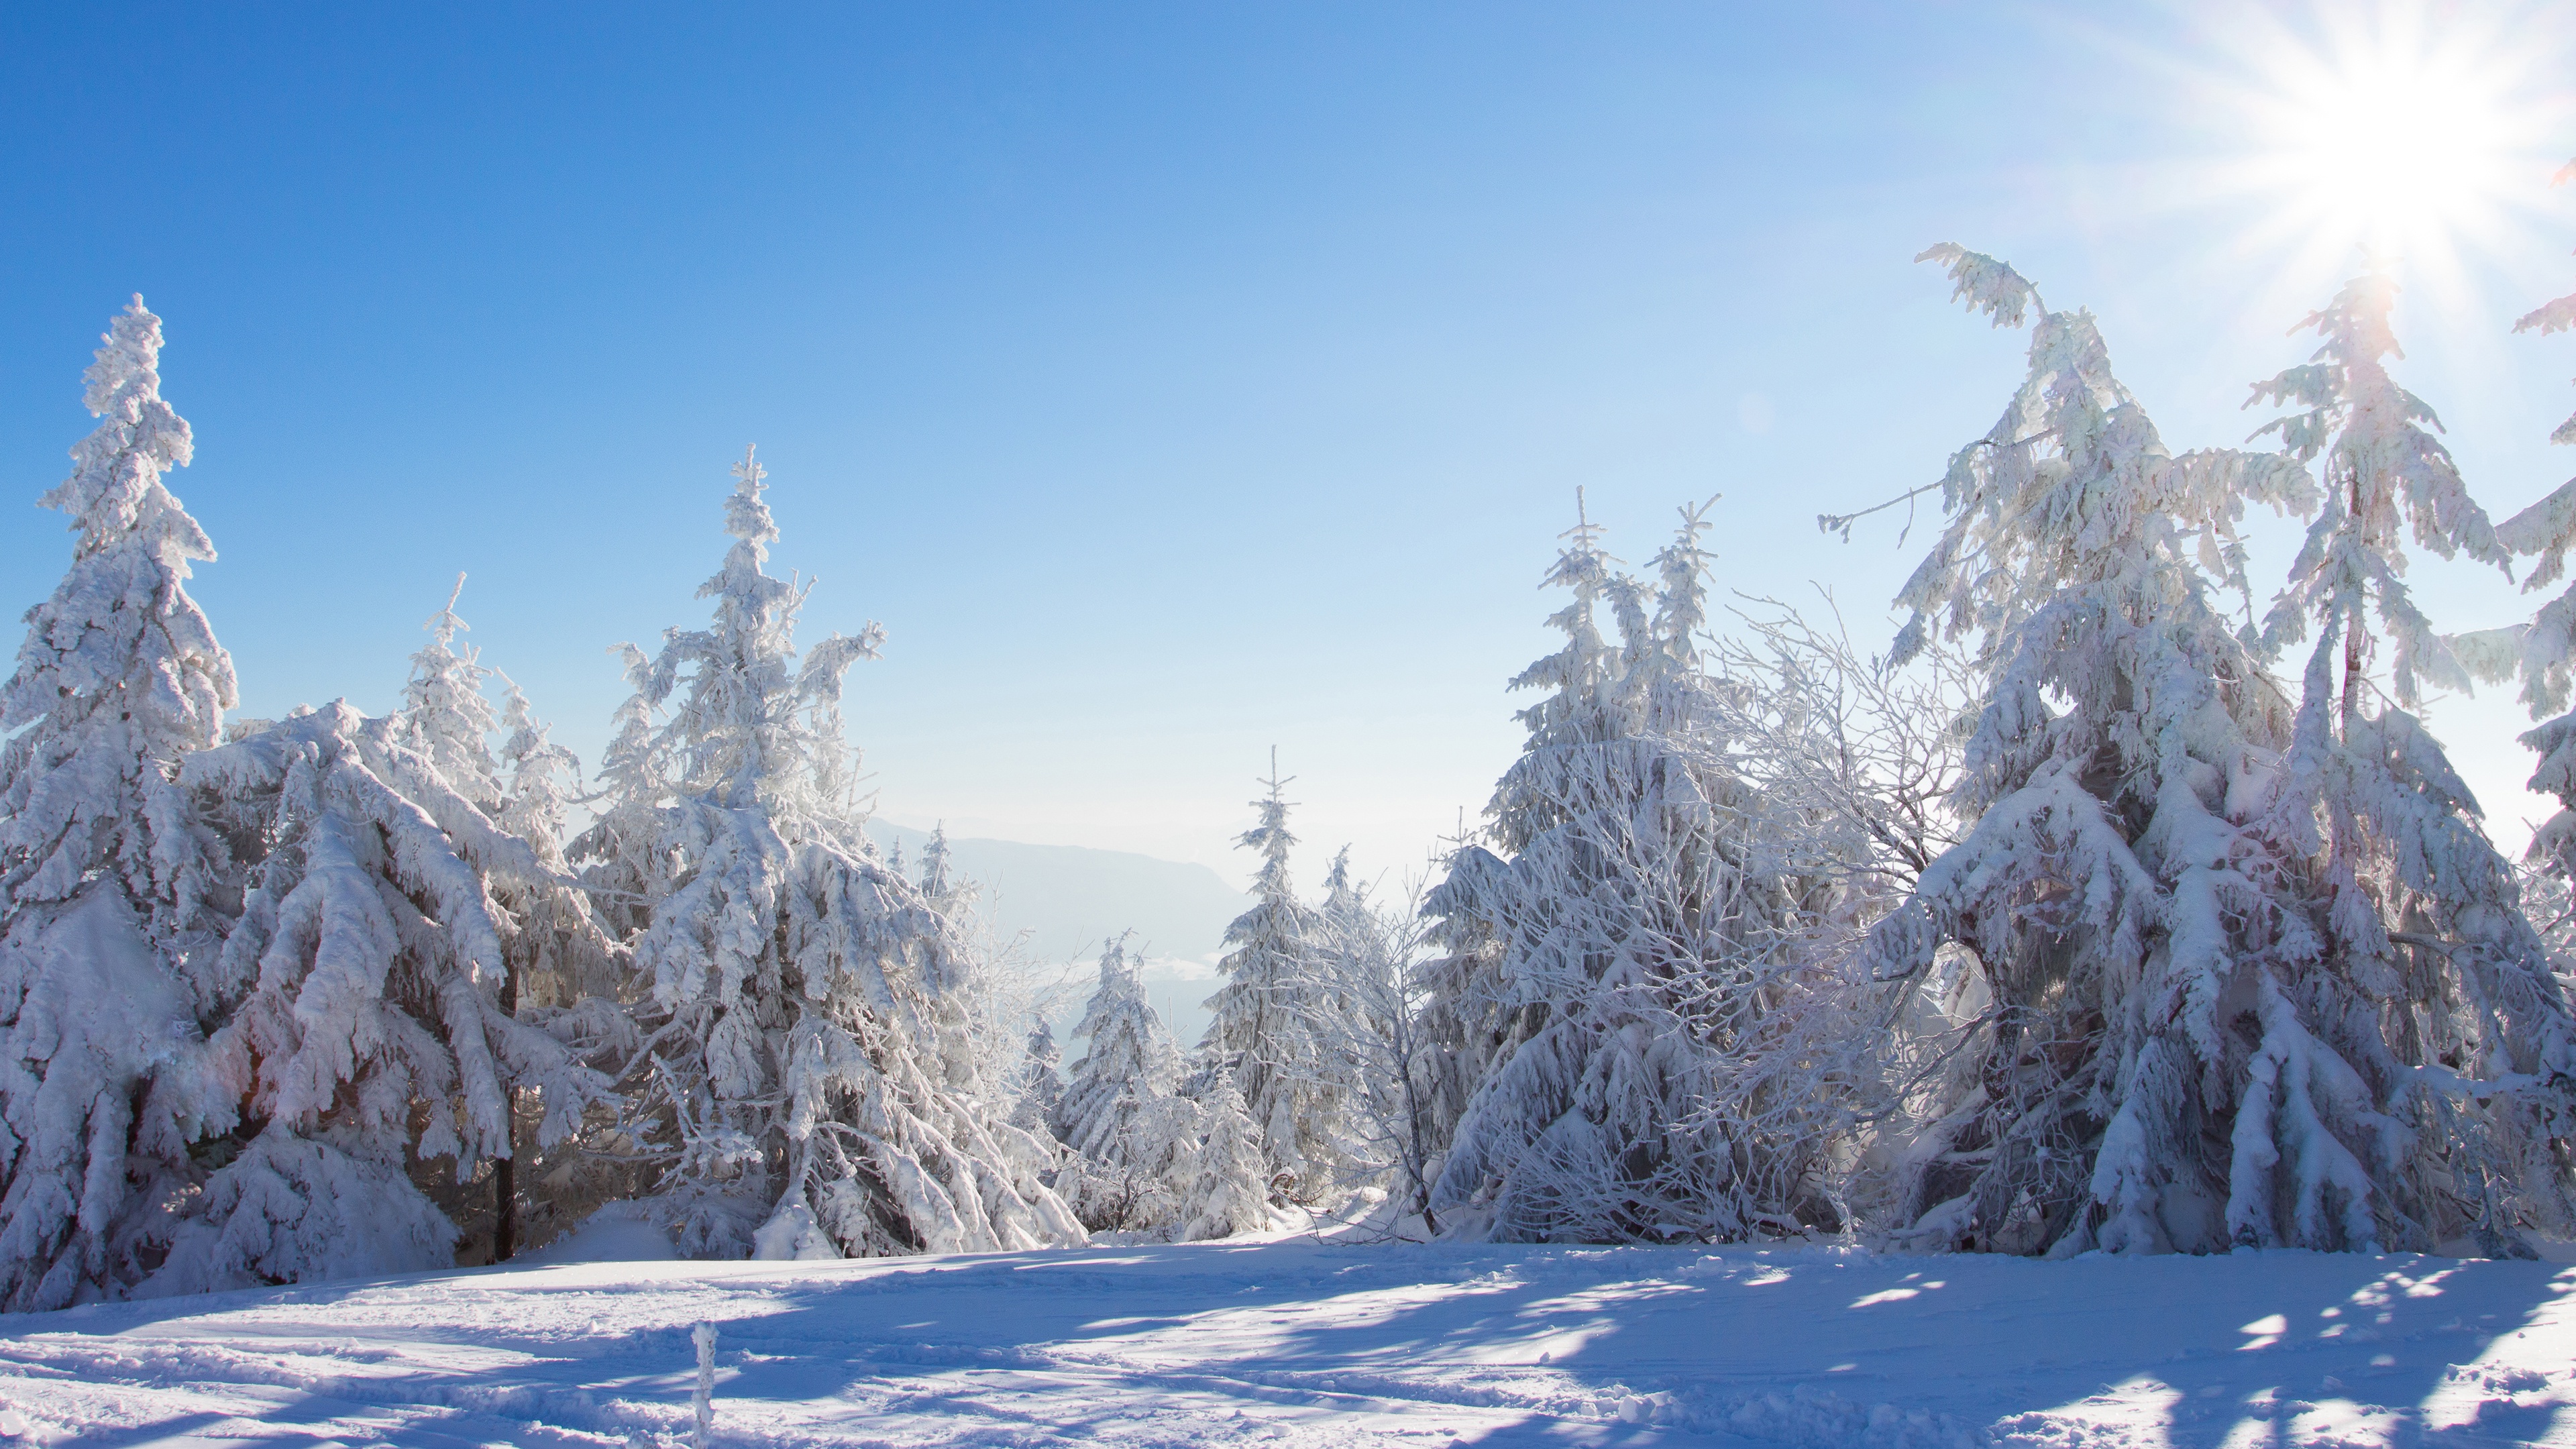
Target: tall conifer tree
809,1062
113,894
1261,1027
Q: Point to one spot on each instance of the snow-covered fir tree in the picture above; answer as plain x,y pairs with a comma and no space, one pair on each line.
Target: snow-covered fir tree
809,1078
1623,922
445,716
561,965
936,886
1229,1189
1468,1020
569,958
622,856
1121,1111
373,1036
1040,1086
113,895
567,976
2456,1025
2122,906
2225,944
1263,1025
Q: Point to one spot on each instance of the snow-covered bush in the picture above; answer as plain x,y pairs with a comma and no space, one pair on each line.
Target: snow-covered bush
1854,761
113,895
1369,961
809,1072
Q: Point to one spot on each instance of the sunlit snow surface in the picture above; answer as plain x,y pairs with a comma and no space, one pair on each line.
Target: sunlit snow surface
1301,1343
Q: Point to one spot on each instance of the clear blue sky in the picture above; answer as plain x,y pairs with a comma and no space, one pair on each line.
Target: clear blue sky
1172,381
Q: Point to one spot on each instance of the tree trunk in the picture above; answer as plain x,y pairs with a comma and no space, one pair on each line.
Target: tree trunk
505,1173
505,1223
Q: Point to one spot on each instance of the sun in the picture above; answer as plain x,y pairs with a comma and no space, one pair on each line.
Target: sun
2396,148
2400,133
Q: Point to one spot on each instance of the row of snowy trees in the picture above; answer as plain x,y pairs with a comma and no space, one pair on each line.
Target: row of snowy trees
2069,924
296,999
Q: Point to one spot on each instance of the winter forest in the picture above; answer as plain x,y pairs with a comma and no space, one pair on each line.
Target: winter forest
2118,900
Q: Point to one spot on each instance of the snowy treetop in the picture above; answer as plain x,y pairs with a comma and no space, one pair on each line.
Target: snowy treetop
1985,284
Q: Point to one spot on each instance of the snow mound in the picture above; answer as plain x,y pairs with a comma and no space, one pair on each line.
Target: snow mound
617,1233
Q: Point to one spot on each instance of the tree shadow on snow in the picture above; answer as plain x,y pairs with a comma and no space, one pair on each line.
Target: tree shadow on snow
1524,1345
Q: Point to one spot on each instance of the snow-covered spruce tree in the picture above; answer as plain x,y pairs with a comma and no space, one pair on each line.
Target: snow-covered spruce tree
2189,906
2431,968
562,967
1474,1014
373,1036
1625,916
622,856
567,976
2129,906
569,960
113,896
2544,650
808,1073
1229,1189
445,717
1263,1027
936,887
1467,1020
1133,1135
1368,960
1040,1086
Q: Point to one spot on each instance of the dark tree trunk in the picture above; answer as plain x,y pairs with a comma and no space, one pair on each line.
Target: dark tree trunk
505,1223
505,1173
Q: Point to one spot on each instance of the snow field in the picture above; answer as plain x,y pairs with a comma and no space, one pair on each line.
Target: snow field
1296,1342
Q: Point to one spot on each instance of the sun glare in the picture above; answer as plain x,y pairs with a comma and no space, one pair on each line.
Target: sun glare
2399,154
2403,139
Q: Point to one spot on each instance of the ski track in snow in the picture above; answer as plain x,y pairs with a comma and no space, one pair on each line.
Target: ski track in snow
1299,1343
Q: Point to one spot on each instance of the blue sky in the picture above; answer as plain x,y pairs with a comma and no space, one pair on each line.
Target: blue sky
1171,381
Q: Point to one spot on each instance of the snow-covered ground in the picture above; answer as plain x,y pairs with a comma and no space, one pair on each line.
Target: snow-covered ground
1296,1342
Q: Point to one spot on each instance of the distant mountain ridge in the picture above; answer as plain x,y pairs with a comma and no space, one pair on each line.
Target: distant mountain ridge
1069,898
